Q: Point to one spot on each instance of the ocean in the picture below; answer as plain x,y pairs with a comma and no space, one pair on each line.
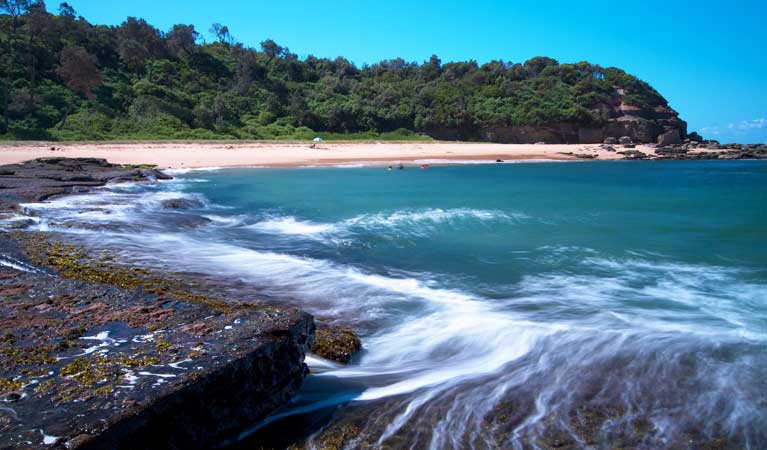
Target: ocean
528,305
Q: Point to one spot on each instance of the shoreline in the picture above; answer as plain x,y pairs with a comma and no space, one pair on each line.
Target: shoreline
292,154
186,155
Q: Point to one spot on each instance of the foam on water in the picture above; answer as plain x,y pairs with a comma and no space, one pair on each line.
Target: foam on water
401,222
291,226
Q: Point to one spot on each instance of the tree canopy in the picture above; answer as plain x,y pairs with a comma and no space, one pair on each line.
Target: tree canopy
64,78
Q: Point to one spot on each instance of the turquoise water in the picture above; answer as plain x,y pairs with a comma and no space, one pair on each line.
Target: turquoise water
509,305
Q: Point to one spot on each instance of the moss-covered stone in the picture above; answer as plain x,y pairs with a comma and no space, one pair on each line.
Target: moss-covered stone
336,344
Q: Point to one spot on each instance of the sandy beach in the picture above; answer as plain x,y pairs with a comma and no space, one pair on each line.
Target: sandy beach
277,154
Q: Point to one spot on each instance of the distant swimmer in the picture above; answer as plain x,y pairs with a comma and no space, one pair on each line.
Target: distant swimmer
424,166
389,168
401,167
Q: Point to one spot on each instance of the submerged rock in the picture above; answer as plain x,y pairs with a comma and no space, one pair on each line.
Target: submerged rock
182,203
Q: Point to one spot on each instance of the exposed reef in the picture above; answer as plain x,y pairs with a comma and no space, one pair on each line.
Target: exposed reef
42,178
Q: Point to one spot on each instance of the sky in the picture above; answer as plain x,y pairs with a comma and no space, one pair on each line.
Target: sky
708,58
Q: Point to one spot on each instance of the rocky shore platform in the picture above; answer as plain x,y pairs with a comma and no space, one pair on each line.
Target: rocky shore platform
97,355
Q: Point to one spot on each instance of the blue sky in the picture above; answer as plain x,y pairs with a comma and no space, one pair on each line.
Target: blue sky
706,57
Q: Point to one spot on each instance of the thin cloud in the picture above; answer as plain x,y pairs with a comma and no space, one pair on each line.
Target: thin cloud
735,128
747,125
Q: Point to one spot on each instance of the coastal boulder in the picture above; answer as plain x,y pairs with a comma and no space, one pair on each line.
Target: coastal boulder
625,140
670,137
611,141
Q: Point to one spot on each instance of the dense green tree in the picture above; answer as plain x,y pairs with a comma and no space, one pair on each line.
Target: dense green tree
63,78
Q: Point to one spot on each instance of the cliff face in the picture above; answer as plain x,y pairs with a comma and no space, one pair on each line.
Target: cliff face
613,119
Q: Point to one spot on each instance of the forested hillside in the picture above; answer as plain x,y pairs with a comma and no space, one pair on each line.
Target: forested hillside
64,78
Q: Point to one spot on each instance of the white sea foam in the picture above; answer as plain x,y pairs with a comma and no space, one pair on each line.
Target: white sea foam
415,222
225,221
290,225
184,171
14,263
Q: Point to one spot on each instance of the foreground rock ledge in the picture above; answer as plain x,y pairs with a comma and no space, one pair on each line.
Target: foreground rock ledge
86,365
94,359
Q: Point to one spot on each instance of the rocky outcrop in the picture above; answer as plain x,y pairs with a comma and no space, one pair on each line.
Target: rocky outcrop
132,364
37,180
670,137
611,120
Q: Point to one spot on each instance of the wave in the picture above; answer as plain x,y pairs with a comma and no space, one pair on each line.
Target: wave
407,222
292,226
184,171
433,216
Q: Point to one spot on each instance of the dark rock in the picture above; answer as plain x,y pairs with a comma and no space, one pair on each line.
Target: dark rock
611,141
671,150
11,397
182,203
624,140
178,370
40,179
633,154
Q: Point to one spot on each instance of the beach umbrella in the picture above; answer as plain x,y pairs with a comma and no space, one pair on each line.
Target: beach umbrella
318,139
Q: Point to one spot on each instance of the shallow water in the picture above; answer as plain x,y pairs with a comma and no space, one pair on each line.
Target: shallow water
511,305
